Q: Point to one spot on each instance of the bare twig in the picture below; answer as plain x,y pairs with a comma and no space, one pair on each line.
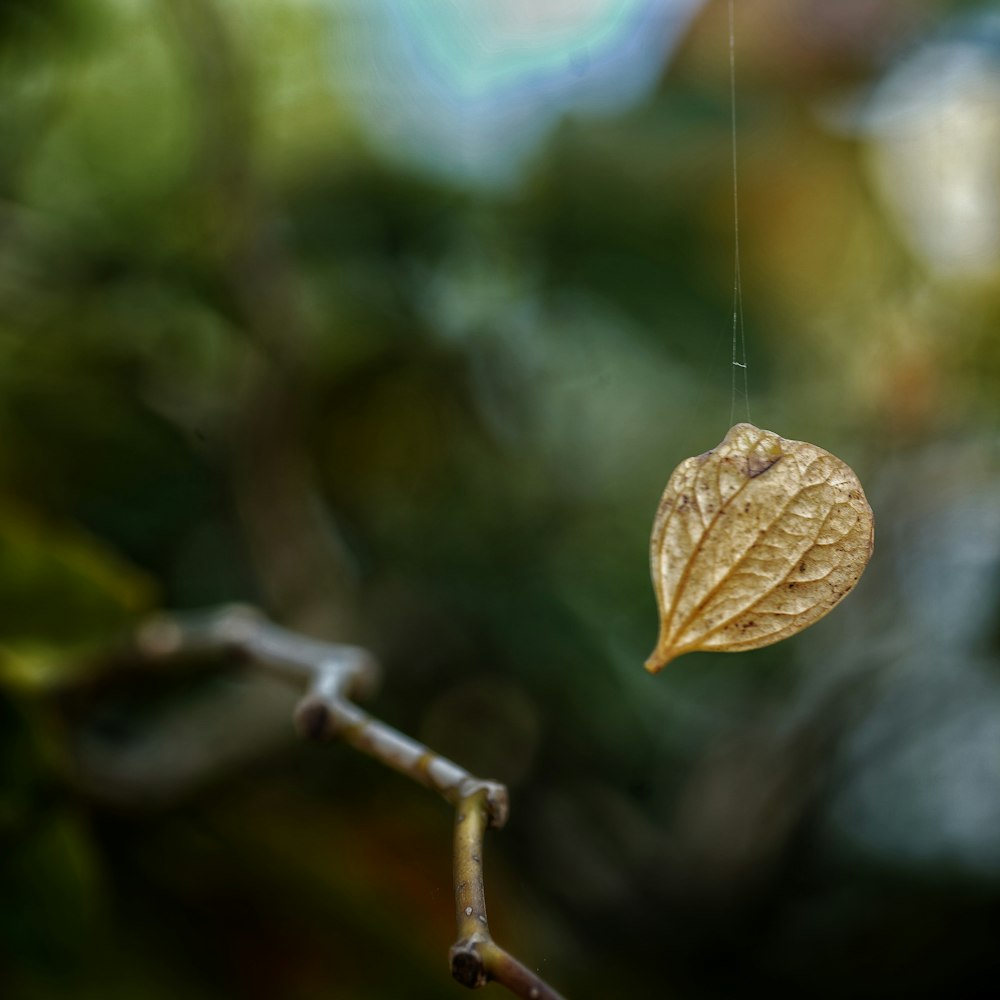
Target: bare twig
335,674
476,958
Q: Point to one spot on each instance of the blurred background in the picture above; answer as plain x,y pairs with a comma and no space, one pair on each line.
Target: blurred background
392,318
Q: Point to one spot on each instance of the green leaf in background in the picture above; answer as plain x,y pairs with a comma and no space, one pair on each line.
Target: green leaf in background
62,592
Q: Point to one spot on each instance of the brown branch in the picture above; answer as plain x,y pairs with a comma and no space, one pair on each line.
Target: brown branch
335,674
476,958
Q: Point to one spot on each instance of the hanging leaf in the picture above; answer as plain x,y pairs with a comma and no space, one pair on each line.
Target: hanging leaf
752,542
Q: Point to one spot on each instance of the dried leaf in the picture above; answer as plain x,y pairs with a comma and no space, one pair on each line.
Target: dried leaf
752,542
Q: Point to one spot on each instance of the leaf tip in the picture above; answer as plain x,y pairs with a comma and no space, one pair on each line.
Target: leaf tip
658,659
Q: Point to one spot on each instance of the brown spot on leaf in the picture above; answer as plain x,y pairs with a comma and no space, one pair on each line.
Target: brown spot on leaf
759,464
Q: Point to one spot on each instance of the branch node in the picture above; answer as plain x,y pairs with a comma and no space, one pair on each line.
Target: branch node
497,799
312,719
467,965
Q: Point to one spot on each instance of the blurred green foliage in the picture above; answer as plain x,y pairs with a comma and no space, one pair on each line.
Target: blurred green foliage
242,357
